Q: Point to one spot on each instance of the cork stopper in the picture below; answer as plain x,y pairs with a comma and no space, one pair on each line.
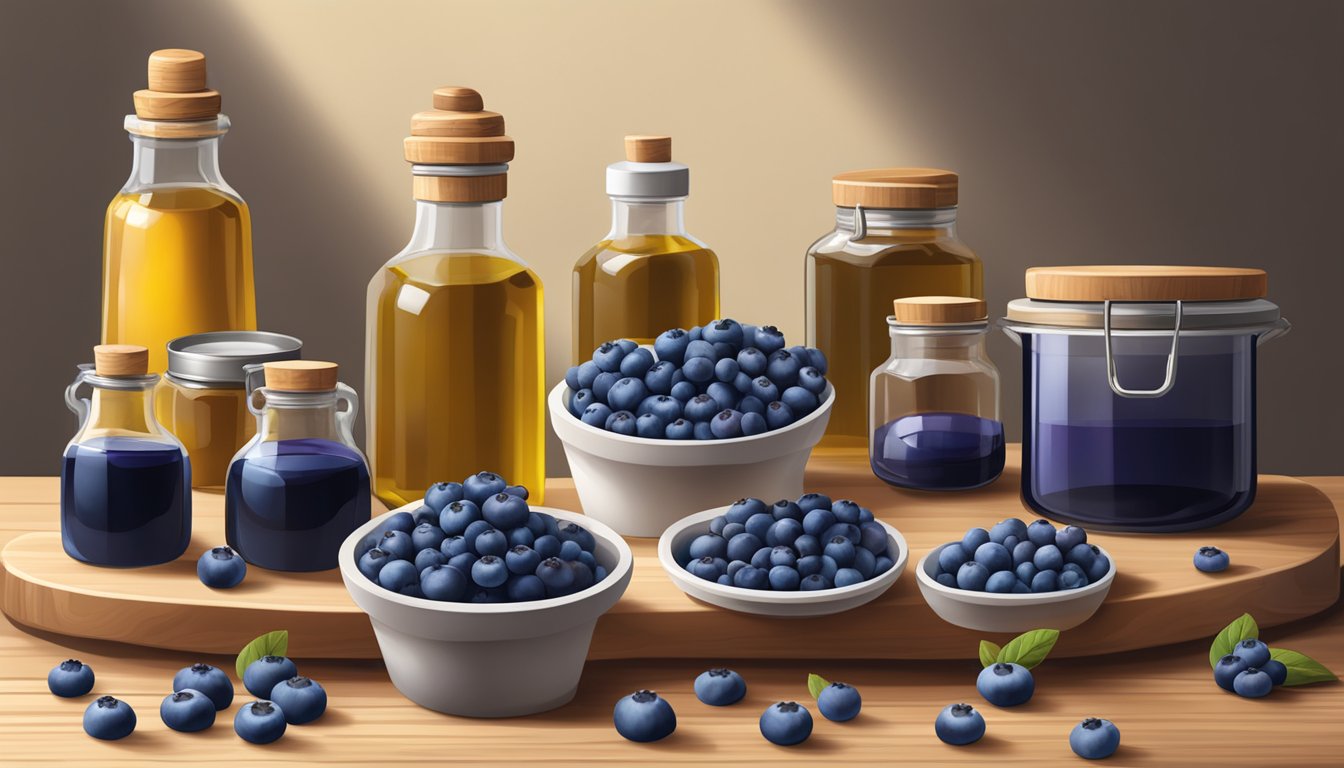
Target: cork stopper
300,376
177,89
909,188
648,149
459,131
939,310
118,360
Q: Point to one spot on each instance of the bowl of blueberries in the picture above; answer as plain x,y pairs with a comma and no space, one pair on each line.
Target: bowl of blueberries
483,606
810,557
724,409
1014,577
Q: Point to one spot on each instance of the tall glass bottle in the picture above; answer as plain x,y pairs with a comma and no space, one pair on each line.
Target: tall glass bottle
455,370
177,242
895,236
648,274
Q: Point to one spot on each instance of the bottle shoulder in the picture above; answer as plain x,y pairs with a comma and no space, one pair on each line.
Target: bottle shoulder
886,249
645,248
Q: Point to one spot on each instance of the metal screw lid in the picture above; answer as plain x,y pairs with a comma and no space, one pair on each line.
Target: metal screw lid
218,357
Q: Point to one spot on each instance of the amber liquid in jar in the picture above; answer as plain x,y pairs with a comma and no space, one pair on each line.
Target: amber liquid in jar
212,423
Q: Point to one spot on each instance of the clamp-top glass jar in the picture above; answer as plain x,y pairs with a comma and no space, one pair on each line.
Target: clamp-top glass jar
935,403
895,236
1139,393
125,483
300,486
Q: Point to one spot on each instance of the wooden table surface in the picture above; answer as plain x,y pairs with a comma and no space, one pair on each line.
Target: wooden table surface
1163,701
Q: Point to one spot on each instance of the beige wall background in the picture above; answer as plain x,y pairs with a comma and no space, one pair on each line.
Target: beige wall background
1085,132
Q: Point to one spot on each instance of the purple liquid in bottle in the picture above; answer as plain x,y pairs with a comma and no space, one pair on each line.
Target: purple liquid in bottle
938,451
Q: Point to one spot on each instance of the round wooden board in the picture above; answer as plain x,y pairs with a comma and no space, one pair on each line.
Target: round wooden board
1285,554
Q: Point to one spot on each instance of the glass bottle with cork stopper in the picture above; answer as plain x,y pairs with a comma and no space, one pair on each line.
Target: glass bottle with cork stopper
895,236
648,274
125,482
455,370
934,405
300,486
177,241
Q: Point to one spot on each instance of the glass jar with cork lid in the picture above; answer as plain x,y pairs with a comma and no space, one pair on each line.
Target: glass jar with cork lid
895,236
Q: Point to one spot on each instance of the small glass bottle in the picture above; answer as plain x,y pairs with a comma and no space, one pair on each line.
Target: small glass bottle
300,486
648,274
455,357
177,240
125,482
895,236
935,402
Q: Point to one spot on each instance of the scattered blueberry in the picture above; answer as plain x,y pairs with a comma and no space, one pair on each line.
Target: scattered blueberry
1226,670
720,687
1005,684
1094,739
644,716
786,723
71,678
221,568
187,711
1212,560
1252,683
959,725
300,699
209,680
260,722
839,702
261,675
1254,652
109,718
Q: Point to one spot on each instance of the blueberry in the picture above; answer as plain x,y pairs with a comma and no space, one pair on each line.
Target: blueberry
754,424
522,559
763,389
725,395
1252,683
846,577
644,716
109,719
1094,739
556,575
608,357
444,583
726,370
846,530
972,576
1005,684
752,577
784,532
1227,669
815,582
260,722
720,687
786,723
817,359
1101,565
521,537
812,380
1081,555
782,367
808,565
637,363
521,589
221,568
579,402
959,724
741,510
1025,572
427,536
726,331
865,562
700,408
622,423
627,394
951,557
602,386
732,529
1041,533
300,699
504,511
816,522
210,681
490,541
699,370
372,563
788,509
784,578
397,544
707,567
1212,560
458,515
947,580
577,534
761,558
743,546
187,711
1069,537
1010,542
394,576
727,424
841,550
799,400
973,539
708,544
463,563
810,501
993,556
1277,671
454,546
882,564
778,415
751,361
482,486
440,495
261,675
1072,579
547,546
1048,558
1024,552
1001,582
839,702
489,571
399,521
671,345
751,404
1253,651
758,525
680,429
769,339
70,678
665,407
1008,527
660,378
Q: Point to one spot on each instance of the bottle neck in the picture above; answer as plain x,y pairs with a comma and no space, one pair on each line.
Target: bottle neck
121,412
965,342
662,216
175,162
921,223
458,226
295,416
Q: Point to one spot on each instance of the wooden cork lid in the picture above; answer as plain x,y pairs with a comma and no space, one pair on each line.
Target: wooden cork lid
939,310
648,149
120,360
177,89
1146,283
916,188
300,376
458,131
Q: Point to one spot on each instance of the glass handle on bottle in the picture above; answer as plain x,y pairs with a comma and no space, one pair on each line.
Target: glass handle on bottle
346,418
79,405
1279,328
253,378
1114,380
860,225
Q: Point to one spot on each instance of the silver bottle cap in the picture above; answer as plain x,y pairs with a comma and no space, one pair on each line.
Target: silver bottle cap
218,357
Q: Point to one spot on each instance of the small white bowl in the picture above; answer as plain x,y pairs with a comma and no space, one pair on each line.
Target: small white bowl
672,554
997,612
639,486
488,660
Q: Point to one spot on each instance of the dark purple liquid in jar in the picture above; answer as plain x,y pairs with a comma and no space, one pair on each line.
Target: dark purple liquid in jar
125,502
938,451
289,504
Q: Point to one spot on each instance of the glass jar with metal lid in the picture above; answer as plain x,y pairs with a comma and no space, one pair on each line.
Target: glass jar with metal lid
895,236
202,399
1139,393
934,404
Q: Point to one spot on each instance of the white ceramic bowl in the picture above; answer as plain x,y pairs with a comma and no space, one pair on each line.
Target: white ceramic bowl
639,486
672,554
994,612
488,660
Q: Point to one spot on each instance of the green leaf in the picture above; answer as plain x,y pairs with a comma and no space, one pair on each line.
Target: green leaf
989,653
816,684
1302,669
270,644
1241,629
1029,648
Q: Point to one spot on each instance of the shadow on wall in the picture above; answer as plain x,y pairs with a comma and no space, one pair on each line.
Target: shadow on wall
1181,133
